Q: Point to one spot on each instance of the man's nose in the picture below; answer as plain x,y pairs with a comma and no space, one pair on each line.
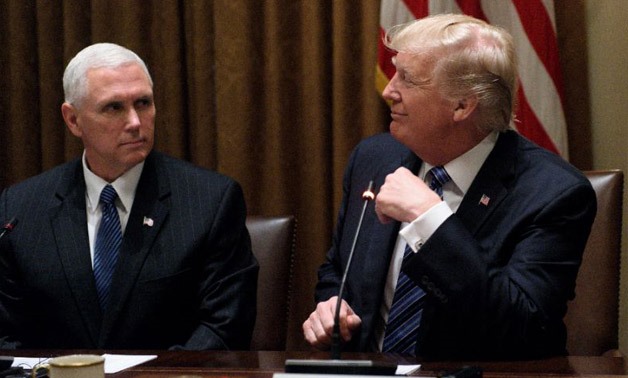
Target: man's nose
133,119
390,92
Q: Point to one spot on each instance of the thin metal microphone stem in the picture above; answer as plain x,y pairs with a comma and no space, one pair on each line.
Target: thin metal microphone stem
335,336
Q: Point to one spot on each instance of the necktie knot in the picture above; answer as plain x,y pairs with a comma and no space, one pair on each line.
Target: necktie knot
439,178
108,195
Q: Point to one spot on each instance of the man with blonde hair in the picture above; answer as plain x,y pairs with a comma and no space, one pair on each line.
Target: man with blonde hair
477,234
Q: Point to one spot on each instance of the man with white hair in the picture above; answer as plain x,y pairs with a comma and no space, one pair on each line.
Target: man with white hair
124,248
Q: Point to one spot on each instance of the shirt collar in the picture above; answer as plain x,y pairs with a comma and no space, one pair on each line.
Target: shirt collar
465,167
125,185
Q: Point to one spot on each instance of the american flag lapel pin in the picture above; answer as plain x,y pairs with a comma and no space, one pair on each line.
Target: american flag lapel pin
484,200
148,222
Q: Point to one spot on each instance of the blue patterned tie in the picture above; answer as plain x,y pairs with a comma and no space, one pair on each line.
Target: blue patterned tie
108,241
406,309
439,178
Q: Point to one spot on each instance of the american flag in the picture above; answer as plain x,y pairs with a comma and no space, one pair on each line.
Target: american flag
540,115
484,200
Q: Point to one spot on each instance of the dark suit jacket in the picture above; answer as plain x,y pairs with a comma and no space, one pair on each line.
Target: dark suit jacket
497,276
186,281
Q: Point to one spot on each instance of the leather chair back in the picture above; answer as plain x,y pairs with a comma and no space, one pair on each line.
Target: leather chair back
592,317
273,242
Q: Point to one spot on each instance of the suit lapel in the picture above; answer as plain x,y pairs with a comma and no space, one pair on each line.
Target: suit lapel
69,225
149,211
491,184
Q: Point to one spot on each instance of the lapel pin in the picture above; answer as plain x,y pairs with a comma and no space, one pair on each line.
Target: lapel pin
148,222
484,200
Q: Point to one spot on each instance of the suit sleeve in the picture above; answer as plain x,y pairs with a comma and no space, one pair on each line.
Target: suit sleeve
228,289
506,296
330,272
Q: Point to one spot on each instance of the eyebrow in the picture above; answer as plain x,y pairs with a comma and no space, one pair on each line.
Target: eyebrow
120,99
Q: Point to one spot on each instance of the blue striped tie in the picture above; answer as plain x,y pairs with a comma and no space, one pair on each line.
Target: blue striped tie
108,241
406,309
439,178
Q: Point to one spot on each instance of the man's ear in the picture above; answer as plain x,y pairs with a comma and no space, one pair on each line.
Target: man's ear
464,108
70,117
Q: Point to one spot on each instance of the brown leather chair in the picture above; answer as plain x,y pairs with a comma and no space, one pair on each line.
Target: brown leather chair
273,242
592,317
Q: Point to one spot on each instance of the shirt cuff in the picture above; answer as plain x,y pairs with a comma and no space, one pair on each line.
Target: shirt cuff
417,232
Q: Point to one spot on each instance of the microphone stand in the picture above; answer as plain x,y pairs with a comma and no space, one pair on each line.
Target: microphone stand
368,195
335,365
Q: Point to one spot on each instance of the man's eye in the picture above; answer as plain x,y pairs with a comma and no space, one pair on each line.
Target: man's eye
410,81
404,78
144,102
113,107
407,81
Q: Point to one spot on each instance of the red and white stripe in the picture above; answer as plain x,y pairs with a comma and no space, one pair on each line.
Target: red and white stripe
540,115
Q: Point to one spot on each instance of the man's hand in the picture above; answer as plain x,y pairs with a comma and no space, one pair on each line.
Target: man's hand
403,197
318,328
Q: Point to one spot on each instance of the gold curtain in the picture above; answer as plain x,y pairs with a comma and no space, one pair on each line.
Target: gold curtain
272,93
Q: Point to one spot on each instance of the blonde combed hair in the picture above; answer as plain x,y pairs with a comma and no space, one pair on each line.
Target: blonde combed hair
471,58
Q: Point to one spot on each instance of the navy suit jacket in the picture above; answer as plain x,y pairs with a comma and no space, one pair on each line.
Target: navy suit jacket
497,276
188,280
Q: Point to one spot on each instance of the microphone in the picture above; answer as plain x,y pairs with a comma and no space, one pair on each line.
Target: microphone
367,196
8,227
335,365
6,361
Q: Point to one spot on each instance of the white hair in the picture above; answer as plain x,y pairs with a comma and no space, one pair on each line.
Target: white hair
97,55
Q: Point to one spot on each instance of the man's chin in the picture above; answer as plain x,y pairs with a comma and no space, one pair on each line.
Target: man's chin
402,137
396,130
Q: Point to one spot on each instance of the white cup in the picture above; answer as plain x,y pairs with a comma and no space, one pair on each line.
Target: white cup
74,366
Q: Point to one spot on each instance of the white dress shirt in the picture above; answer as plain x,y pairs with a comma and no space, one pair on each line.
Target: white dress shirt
125,185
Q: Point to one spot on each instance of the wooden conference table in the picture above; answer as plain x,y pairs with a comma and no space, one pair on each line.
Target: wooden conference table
220,364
